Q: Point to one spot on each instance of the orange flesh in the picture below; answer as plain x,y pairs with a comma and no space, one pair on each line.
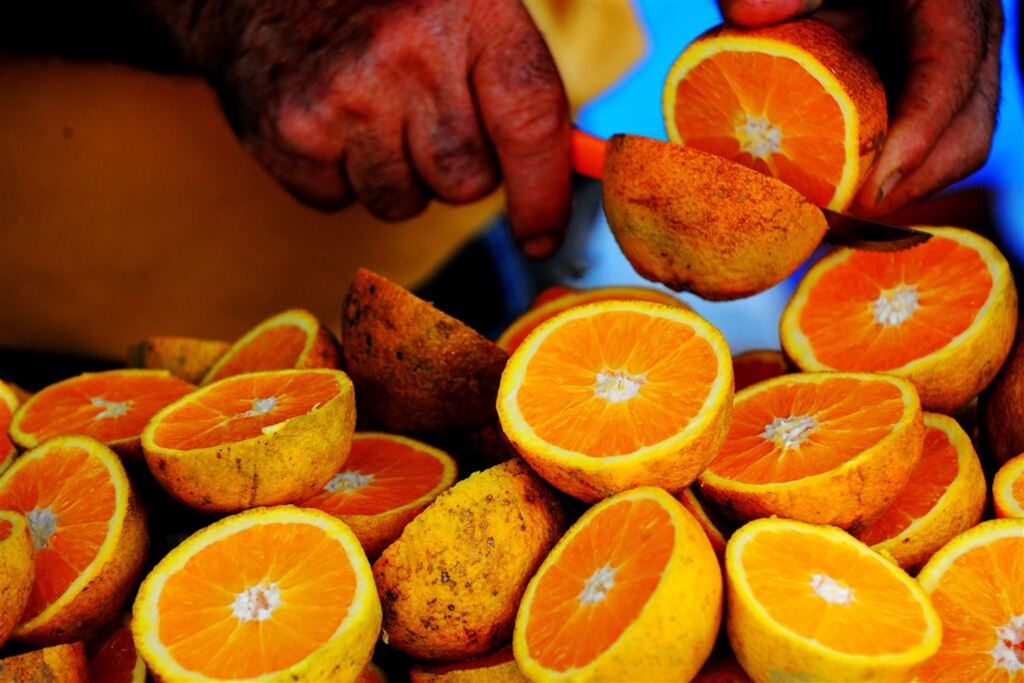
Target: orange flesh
275,348
198,622
401,474
951,281
718,95
981,591
114,662
77,489
781,568
90,405
931,477
851,415
1017,489
634,538
5,529
241,408
557,397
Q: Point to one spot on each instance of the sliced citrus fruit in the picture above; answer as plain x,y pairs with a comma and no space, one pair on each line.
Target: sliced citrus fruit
795,101
944,497
293,339
829,448
112,407
17,570
64,663
8,404
497,667
1008,488
812,603
184,357
385,482
751,367
715,529
372,674
941,314
633,591
89,534
617,394
272,594
514,335
116,660
415,368
976,582
452,581
1001,406
261,438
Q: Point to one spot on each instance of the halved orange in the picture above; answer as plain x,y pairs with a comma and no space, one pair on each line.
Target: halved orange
633,591
17,570
514,334
385,482
812,603
272,594
1001,405
715,528
976,582
795,101
372,674
617,394
497,667
262,438
8,404
1008,488
89,534
112,407
828,448
942,314
185,357
944,497
63,663
751,367
116,660
293,339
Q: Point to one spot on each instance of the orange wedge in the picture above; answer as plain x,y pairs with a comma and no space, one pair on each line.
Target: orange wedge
58,664
1008,488
828,448
795,101
184,357
89,534
294,339
497,667
1001,406
812,603
942,314
976,583
514,335
944,497
112,407
385,482
116,660
633,591
617,394
751,367
273,594
714,528
8,404
262,438
17,570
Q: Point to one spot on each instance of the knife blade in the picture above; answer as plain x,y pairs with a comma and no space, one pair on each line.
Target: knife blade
861,233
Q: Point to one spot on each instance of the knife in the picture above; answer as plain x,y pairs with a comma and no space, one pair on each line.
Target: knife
843,229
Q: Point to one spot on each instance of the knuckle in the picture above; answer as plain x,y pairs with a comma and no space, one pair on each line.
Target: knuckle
462,168
532,122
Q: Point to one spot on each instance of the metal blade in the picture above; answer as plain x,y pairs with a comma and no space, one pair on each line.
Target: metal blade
860,233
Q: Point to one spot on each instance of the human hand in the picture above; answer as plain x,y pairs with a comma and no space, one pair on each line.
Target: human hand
391,102
940,59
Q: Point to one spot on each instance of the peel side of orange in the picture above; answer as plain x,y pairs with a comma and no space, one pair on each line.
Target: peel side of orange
714,528
1008,488
9,403
63,663
17,570
185,357
497,667
757,365
116,660
1001,406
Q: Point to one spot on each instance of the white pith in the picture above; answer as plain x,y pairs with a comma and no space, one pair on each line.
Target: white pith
616,386
895,306
111,409
256,603
597,586
758,137
347,481
1009,651
789,432
42,523
830,590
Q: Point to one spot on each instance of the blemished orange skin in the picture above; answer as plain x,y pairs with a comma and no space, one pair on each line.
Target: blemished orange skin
751,367
1001,406
184,357
497,667
694,221
58,664
451,584
415,368
17,570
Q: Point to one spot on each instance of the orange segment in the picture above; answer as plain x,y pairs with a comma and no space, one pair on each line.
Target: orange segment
8,404
1008,488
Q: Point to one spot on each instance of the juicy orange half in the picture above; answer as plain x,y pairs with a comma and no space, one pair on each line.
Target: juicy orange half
385,482
632,591
111,407
1008,488
942,314
828,448
291,339
811,603
976,583
794,101
277,593
8,404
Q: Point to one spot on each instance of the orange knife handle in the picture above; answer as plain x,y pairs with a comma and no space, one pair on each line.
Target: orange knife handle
588,154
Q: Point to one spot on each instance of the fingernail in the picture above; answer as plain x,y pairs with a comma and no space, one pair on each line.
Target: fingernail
886,187
540,246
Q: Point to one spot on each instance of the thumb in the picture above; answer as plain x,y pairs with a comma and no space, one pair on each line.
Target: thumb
753,13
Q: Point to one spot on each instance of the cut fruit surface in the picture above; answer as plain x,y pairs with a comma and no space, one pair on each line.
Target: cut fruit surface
1008,488
278,593
293,339
941,314
811,603
262,438
116,660
751,367
828,448
795,101
633,586
184,357
976,583
17,570
88,531
112,407
385,482
8,404
944,497
618,394
64,663
497,667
